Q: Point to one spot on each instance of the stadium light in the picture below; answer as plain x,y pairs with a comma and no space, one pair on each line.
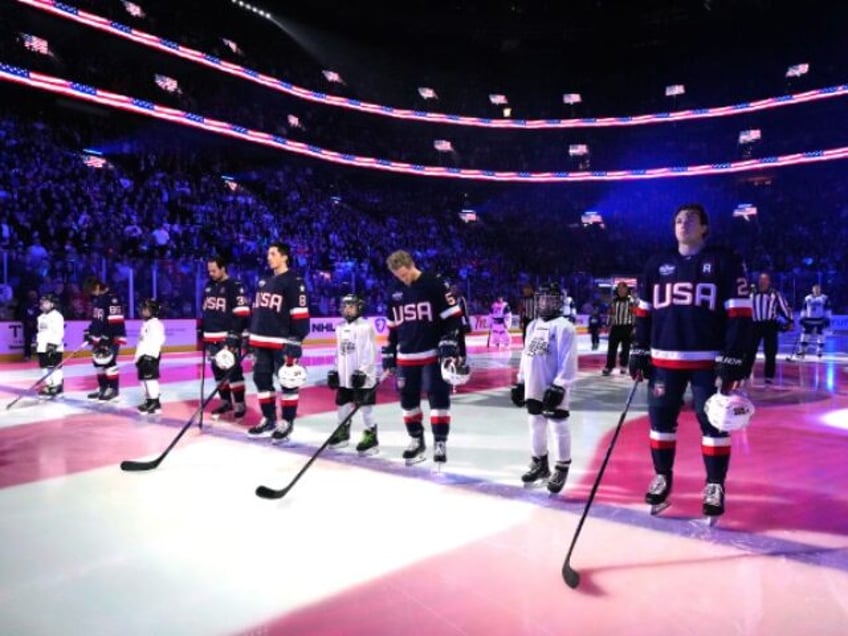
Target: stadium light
571,98
797,70
578,150
750,136
673,90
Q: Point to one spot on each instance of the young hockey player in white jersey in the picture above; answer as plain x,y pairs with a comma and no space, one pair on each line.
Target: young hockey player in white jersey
548,368
355,375
816,315
147,355
500,319
49,344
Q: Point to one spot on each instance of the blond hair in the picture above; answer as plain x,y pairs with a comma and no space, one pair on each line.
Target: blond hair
398,259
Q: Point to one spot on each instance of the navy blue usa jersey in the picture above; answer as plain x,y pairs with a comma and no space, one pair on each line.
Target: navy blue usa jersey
419,315
107,318
225,309
280,311
694,308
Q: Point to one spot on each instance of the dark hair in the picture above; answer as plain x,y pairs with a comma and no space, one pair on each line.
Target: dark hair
282,248
698,209
218,260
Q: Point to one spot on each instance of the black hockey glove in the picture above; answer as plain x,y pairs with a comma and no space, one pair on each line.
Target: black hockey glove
292,351
86,335
233,341
553,397
517,394
389,361
448,348
52,348
333,379
731,372
640,365
357,379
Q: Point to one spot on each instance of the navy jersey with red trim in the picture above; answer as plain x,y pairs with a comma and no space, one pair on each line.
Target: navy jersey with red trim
280,311
419,315
225,308
694,308
107,318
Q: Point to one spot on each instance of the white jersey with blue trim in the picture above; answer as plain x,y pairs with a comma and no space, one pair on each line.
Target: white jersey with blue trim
549,357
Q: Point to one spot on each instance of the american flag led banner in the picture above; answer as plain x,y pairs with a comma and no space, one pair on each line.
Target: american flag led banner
578,150
498,99
745,211
571,98
674,90
169,47
442,145
35,44
591,218
83,92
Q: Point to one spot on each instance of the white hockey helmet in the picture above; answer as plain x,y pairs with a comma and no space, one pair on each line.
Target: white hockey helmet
102,355
730,412
292,376
455,374
224,359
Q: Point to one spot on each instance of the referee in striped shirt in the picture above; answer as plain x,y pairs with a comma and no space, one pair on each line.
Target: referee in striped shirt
769,306
621,319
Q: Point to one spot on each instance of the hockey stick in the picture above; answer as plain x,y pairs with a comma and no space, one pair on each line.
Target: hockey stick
569,574
131,465
270,493
202,383
46,375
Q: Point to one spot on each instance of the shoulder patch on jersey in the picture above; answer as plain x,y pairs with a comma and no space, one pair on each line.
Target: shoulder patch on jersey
262,283
667,269
397,296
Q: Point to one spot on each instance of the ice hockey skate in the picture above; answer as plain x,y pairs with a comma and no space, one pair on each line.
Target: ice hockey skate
556,481
368,444
658,492
150,407
264,428
713,503
282,432
538,472
440,454
340,437
414,453
222,409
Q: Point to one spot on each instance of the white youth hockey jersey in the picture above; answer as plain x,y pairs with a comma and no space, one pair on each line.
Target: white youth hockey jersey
549,357
150,339
51,330
356,350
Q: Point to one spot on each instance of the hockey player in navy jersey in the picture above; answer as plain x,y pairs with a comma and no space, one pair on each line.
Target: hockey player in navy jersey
355,374
106,333
547,370
278,325
693,327
424,322
225,319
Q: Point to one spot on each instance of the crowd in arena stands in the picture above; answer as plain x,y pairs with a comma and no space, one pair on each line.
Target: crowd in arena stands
157,214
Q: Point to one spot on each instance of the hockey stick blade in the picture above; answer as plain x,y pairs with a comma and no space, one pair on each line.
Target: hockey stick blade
570,576
269,493
132,466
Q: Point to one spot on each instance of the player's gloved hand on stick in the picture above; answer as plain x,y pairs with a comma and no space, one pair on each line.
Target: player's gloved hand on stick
731,372
333,379
640,364
52,348
233,341
448,348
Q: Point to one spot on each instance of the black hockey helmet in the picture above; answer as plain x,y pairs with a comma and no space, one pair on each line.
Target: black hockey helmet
152,307
355,303
48,302
549,300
